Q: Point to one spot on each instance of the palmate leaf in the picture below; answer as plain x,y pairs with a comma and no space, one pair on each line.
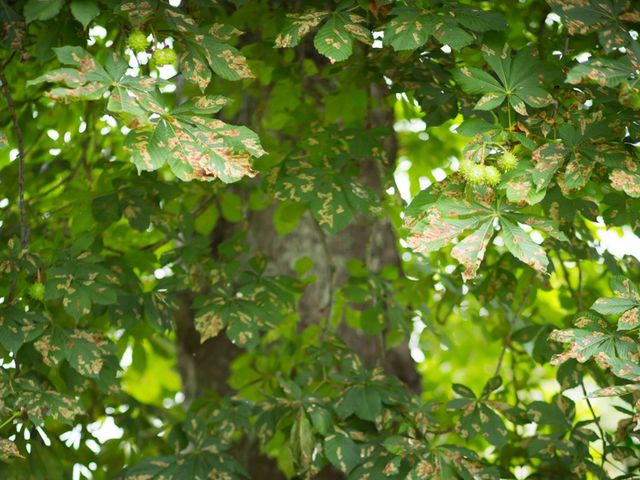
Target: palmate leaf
208,461
335,37
195,146
626,302
298,25
37,399
516,81
87,81
477,417
259,304
81,285
449,462
207,49
603,16
594,338
18,327
88,353
435,221
342,452
581,147
409,29
330,193
522,247
334,40
626,181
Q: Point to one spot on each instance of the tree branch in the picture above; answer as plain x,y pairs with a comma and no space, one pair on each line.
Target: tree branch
24,226
597,422
332,270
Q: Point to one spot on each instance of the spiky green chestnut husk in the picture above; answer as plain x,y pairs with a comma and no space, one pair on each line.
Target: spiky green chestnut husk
491,175
165,56
475,174
36,291
138,41
507,162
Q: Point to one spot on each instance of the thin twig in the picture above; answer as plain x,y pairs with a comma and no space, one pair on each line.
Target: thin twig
10,419
579,288
24,227
332,270
597,422
507,339
566,275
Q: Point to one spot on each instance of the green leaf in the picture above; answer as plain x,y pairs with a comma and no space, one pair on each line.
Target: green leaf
207,461
40,403
41,9
301,441
470,251
409,29
627,303
195,146
593,338
195,68
88,81
363,401
522,247
321,419
85,352
225,61
516,81
20,327
603,71
545,413
298,25
84,11
342,452
626,181
332,40
547,159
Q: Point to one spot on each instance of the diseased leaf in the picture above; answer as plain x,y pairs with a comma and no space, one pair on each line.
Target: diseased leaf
522,247
299,24
8,450
207,461
342,452
18,328
225,60
301,440
628,182
470,251
627,303
195,146
332,40
547,160
515,81
409,29
593,338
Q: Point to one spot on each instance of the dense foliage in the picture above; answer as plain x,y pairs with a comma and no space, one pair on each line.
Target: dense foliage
355,239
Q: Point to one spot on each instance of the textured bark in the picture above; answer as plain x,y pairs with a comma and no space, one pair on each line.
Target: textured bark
206,366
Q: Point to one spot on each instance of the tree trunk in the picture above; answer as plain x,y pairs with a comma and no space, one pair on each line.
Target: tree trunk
206,366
